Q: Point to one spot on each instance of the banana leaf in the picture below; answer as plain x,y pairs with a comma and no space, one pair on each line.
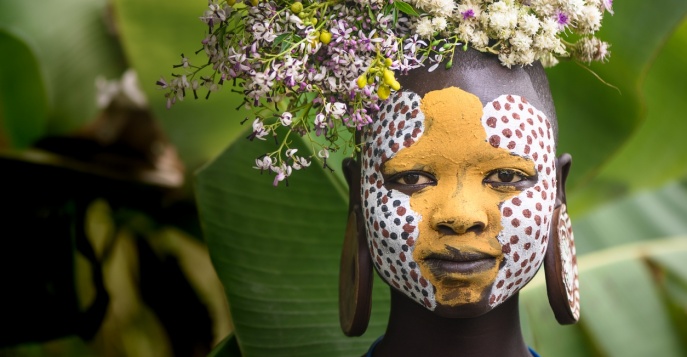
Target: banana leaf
277,250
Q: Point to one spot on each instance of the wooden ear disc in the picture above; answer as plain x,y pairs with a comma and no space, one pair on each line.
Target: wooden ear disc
560,268
355,278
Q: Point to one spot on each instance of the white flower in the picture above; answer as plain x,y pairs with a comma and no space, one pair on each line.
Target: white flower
286,119
263,164
320,123
290,152
300,162
295,20
590,21
572,7
507,59
424,27
548,60
503,19
520,41
529,24
324,153
336,110
282,172
259,131
439,23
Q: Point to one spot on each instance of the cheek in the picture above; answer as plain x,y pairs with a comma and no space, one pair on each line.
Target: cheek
392,226
513,124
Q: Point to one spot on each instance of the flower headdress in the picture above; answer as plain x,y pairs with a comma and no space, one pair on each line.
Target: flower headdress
323,68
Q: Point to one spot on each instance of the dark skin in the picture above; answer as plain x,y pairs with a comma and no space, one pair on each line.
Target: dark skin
414,330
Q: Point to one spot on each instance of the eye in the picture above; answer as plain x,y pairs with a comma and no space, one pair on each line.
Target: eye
410,181
506,177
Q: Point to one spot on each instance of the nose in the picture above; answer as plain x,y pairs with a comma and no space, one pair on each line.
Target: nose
460,213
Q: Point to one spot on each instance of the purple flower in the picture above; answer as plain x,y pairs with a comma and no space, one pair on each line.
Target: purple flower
468,14
562,19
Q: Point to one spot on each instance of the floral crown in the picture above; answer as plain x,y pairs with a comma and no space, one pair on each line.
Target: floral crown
321,69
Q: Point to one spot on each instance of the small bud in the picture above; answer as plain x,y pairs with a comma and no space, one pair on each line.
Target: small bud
297,7
395,85
254,2
314,21
388,62
449,64
231,2
383,92
362,81
325,37
389,77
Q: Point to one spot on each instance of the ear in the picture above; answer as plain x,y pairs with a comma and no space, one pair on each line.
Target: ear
563,164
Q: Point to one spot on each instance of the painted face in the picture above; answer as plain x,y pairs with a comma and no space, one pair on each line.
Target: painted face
458,197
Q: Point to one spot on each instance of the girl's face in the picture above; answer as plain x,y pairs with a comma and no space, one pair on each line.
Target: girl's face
458,198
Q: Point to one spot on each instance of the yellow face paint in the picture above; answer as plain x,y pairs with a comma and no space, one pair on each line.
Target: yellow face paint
457,248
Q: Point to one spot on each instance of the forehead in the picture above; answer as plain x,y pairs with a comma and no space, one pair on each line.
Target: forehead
512,123
508,122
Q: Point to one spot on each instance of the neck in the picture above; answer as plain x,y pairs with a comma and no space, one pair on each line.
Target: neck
416,331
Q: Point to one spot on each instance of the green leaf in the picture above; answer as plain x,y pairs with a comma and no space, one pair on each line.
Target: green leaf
153,37
655,153
277,252
71,52
594,120
23,100
649,215
405,8
279,39
229,347
624,310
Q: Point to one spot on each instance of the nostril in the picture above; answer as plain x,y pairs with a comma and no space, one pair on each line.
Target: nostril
477,228
446,230
453,228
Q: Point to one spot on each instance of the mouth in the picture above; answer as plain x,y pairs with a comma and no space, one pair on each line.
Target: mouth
455,261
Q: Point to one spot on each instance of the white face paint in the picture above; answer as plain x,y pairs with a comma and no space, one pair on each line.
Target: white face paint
513,124
392,225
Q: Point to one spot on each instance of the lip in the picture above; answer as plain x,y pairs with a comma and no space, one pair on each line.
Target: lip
454,261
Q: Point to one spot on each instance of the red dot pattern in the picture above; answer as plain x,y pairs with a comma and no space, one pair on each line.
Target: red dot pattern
390,222
511,123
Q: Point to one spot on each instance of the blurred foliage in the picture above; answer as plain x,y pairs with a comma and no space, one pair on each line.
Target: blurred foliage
277,250
154,37
634,304
20,124
69,51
